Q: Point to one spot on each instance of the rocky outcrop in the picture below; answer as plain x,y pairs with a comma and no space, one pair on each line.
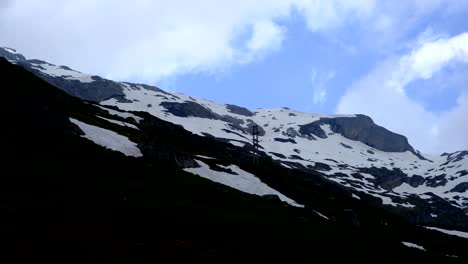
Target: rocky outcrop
96,91
239,110
360,128
461,188
11,55
285,140
188,109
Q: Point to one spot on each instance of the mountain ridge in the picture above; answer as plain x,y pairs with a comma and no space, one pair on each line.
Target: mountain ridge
107,204
387,167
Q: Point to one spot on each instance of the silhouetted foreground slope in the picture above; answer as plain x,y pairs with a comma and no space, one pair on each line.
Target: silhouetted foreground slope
64,198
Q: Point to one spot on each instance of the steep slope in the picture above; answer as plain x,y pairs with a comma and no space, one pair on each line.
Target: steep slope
66,193
351,150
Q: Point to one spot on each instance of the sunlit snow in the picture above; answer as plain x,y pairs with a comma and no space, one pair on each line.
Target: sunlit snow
108,139
243,181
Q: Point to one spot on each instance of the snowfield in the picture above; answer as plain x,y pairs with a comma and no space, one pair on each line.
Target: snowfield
282,142
449,232
412,245
340,159
240,180
108,139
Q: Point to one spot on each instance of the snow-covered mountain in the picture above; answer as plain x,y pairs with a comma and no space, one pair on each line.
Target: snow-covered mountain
350,150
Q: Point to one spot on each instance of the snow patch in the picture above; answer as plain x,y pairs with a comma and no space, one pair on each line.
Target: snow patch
449,232
120,123
321,215
244,181
108,139
412,245
12,51
205,157
121,114
60,71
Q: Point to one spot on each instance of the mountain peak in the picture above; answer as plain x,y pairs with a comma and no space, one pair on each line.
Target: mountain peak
11,54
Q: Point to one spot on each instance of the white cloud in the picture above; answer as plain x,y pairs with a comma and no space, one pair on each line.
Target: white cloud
149,40
323,15
382,95
142,39
319,85
266,36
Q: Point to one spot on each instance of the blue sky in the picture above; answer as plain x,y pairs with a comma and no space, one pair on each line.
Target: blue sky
402,62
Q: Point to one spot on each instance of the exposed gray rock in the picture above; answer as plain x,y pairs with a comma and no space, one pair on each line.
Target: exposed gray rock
291,132
436,181
461,188
11,56
296,157
251,124
346,146
285,140
320,167
239,110
312,129
385,178
360,128
189,109
454,157
279,155
416,181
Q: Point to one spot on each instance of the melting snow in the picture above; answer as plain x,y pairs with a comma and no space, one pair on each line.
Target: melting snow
121,114
449,232
321,215
120,123
205,157
12,51
108,139
244,181
59,71
412,245
285,123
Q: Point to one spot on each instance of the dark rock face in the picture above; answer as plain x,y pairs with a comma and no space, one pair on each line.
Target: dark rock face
279,155
192,109
291,132
239,110
285,140
385,178
416,180
97,91
346,146
437,181
360,128
10,56
461,188
320,166
251,124
454,157
296,157
313,129
188,109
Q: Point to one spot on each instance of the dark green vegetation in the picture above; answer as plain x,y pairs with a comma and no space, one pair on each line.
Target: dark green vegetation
64,198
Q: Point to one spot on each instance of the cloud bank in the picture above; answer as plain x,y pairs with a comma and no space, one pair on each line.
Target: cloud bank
155,40
151,40
382,94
